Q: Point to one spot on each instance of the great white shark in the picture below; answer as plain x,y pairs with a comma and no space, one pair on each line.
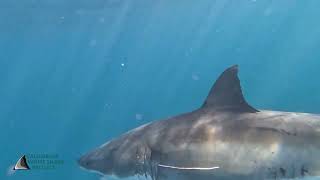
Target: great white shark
225,139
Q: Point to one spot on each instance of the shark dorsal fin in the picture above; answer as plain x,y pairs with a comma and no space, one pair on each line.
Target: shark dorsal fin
226,93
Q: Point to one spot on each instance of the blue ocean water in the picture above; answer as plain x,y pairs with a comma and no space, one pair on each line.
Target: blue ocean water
74,74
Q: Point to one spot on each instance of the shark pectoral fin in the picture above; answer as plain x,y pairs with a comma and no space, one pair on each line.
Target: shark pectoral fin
226,93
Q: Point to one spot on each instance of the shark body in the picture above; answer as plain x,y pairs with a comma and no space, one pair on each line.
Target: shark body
225,139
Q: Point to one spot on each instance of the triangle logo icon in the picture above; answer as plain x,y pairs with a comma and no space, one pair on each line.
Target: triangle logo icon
22,164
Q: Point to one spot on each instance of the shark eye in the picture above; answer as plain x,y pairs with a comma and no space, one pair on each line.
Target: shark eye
88,163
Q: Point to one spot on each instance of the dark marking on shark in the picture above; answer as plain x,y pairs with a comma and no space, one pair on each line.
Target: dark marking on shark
303,171
283,172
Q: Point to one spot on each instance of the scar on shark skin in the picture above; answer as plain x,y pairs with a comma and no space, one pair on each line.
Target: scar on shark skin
188,168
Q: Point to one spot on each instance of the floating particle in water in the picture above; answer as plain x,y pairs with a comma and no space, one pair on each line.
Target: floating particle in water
189,52
139,116
238,50
107,106
74,90
79,11
195,77
101,20
268,12
93,42
122,64
61,19
11,125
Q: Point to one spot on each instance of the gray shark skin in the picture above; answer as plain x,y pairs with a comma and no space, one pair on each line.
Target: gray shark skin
225,139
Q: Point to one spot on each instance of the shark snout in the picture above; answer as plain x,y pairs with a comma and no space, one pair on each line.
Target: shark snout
85,161
97,160
121,157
